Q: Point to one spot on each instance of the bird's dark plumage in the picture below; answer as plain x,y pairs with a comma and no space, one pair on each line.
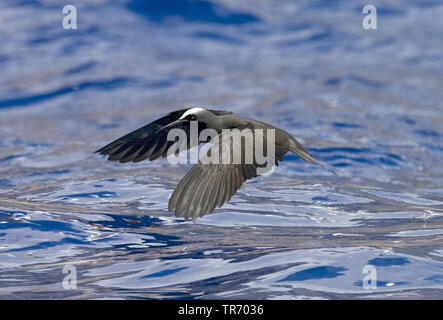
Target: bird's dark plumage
207,185
148,142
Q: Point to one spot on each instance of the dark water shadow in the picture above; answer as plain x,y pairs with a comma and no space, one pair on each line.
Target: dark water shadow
322,272
190,11
108,84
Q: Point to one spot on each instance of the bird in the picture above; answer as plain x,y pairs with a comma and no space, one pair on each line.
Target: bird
206,185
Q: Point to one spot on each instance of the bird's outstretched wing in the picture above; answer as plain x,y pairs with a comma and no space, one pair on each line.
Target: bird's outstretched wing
209,185
148,141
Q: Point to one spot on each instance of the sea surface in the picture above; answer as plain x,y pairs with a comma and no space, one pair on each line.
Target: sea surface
369,103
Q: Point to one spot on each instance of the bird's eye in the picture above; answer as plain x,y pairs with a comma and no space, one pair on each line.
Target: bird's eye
191,117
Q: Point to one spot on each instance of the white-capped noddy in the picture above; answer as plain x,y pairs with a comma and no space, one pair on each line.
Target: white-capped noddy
207,185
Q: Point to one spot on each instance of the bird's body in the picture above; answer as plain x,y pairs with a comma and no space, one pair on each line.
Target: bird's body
209,184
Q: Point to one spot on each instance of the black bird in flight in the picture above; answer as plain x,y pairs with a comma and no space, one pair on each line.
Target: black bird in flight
207,185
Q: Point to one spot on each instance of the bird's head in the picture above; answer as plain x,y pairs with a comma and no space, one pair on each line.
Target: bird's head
193,114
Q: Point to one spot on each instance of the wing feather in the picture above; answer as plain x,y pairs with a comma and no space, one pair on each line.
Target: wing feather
147,141
209,185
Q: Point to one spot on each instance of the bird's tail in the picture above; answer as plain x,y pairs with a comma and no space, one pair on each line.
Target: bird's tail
301,151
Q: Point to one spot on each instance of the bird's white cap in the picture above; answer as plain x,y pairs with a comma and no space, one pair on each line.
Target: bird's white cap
192,111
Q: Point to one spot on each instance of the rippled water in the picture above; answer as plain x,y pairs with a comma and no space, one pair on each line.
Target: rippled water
367,102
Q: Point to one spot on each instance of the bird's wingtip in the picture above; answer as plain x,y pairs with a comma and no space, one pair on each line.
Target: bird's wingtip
102,150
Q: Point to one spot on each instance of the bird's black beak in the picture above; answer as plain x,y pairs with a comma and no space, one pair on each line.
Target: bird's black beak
173,124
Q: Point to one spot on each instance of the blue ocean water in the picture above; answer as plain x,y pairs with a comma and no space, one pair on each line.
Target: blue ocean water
367,102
